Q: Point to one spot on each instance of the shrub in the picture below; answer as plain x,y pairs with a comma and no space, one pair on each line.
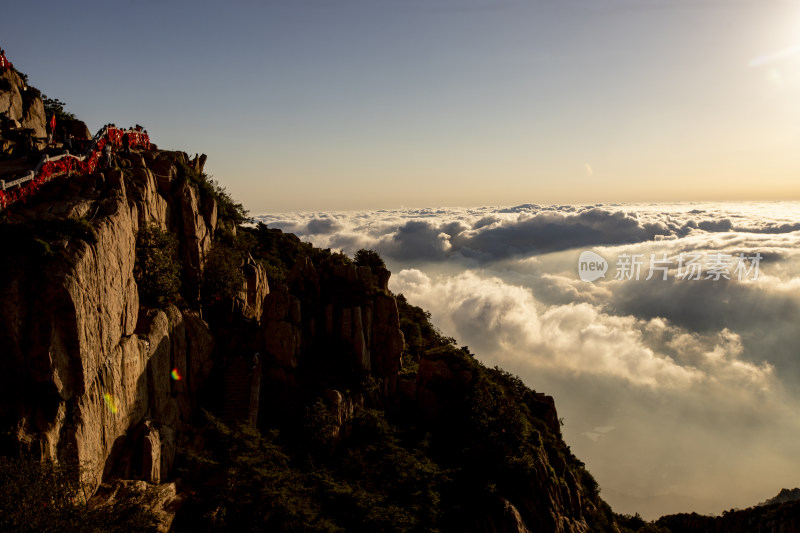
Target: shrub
157,269
369,258
54,106
43,238
47,496
222,278
227,207
247,483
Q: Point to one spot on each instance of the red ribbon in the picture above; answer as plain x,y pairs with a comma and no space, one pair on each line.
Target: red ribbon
71,164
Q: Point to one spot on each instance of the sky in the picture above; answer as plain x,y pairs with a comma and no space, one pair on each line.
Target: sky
367,104
680,395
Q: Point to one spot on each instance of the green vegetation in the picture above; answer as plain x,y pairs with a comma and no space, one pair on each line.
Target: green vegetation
157,270
54,106
279,251
248,484
222,278
251,482
45,239
227,208
45,496
369,258
636,524
419,333
276,250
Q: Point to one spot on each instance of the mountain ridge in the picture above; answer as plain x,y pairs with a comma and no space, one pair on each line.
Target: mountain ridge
226,376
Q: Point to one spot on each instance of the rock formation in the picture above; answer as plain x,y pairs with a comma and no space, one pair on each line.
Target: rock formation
83,364
22,104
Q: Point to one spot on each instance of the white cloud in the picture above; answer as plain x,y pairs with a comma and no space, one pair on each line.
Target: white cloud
578,338
698,380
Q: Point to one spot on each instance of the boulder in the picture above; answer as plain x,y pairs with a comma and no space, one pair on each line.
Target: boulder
34,116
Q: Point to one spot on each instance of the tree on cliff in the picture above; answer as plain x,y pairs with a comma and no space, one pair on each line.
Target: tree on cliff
157,270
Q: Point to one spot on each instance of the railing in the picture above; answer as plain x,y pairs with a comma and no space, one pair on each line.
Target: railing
19,190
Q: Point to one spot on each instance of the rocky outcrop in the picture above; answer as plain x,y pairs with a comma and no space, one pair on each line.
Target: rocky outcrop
22,103
34,116
196,238
83,367
334,324
255,290
11,94
76,128
342,408
162,499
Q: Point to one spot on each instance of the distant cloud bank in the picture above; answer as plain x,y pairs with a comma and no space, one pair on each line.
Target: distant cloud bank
490,234
679,369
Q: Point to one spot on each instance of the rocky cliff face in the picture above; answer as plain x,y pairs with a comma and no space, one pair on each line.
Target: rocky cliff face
83,365
22,103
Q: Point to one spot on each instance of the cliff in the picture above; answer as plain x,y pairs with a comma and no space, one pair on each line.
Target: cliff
134,300
83,363
22,104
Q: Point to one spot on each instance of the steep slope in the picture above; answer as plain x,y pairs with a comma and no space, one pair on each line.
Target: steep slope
83,363
365,414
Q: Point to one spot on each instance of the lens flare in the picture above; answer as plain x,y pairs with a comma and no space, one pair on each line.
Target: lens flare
176,376
110,403
774,56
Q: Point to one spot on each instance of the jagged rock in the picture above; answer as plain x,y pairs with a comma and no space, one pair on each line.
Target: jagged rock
135,160
282,342
304,279
383,279
512,520
81,364
165,172
196,239
210,213
348,273
148,205
199,347
360,343
151,455
10,94
387,344
342,407
276,303
256,289
34,116
77,129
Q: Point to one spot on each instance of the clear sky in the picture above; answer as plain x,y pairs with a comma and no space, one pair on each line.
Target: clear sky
359,104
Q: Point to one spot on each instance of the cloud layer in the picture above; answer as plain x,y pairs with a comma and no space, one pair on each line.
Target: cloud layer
680,394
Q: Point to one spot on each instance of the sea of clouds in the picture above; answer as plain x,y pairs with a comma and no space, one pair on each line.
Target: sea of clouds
679,394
